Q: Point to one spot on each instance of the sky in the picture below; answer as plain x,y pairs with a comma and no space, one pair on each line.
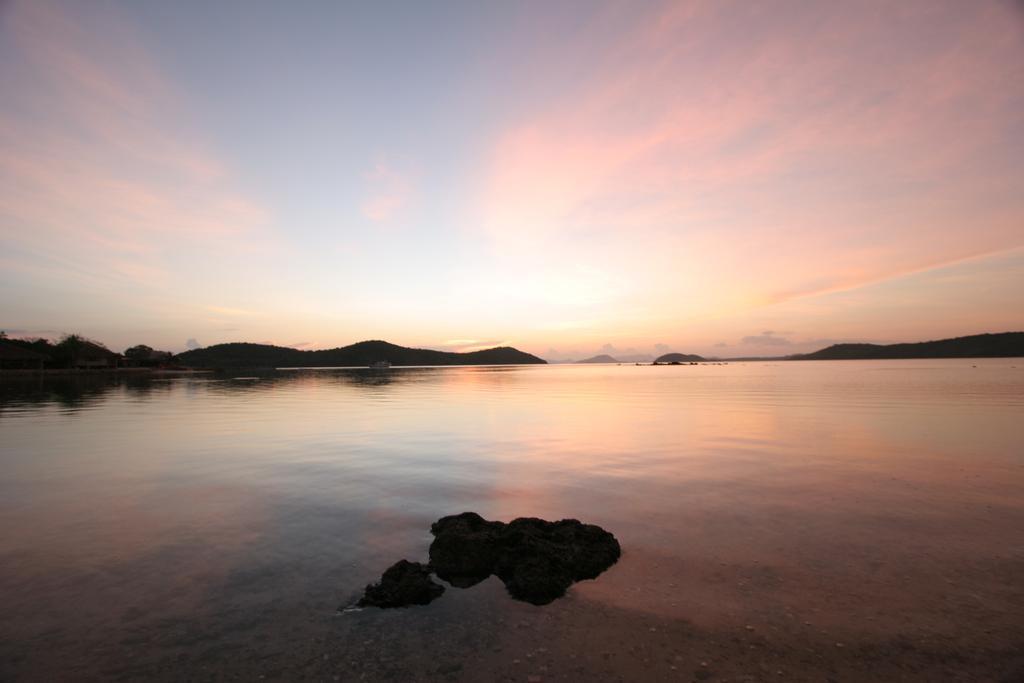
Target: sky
570,178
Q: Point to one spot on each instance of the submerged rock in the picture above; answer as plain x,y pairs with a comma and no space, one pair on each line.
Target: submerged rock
404,583
537,560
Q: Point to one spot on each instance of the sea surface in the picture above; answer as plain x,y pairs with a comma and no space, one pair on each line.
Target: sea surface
831,520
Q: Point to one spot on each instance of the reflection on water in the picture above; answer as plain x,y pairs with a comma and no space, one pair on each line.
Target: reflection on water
212,525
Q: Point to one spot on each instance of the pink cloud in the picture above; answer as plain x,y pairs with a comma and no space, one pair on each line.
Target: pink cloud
739,154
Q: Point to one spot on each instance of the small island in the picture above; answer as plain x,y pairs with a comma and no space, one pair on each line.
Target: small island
679,358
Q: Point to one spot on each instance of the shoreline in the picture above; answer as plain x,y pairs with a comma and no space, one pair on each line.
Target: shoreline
135,372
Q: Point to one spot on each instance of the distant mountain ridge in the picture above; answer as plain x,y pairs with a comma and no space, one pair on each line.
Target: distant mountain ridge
602,358
1000,345
247,355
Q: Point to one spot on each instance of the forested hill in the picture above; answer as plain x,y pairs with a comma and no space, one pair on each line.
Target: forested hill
245,355
1001,345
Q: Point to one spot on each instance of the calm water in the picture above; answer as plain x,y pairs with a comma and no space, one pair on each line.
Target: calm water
844,520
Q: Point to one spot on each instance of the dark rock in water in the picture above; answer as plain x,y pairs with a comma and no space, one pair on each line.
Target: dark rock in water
537,560
404,583
464,551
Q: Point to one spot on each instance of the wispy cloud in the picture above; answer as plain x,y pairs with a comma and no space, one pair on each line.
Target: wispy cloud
232,312
766,338
734,155
388,192
97,163
469,345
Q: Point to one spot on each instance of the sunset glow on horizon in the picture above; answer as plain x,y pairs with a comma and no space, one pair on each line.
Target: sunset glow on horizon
730,179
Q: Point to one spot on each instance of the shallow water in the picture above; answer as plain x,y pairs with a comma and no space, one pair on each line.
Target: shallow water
856,520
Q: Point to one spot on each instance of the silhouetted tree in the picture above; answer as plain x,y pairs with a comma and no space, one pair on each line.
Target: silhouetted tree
71,347
139,352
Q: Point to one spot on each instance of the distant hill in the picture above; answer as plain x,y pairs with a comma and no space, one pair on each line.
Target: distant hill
245,355
1002,345
603,358
679,358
